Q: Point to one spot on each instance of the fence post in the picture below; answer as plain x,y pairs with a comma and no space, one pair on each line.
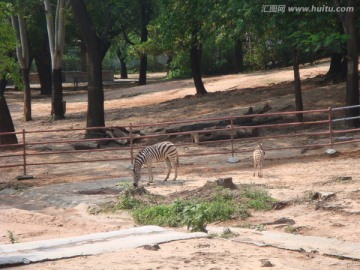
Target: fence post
232,135
330,127
131,145
24,151
232,159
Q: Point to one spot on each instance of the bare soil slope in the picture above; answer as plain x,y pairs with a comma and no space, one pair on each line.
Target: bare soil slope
288,175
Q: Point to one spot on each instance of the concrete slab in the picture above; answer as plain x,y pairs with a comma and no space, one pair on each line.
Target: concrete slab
53,249
316,244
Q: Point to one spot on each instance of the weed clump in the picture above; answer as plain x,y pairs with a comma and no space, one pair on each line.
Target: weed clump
194,209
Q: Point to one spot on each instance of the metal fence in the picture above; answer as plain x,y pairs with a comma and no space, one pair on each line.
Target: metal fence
237,134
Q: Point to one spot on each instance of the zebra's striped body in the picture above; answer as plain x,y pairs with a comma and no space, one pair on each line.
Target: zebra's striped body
258,156
164,151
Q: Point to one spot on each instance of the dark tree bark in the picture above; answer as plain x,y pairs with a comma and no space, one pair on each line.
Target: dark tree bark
43,66
297,87
83,57
27,94
39,50
95,52
57,103
337,66
352,78
195,62
123,67
239,56
352,81
6,123
145,19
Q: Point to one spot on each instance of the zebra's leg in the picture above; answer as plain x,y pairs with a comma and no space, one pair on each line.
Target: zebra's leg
168,164
176,165
150,173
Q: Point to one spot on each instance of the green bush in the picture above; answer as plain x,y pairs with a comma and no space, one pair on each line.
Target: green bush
258,198
196,214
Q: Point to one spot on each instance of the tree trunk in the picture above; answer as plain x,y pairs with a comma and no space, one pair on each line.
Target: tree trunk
352,81
6,123
145,18
142,70
95,51
27,94
297,87
195,62
83,57
335,64
57,107
239,56
43,66
95,113
123,71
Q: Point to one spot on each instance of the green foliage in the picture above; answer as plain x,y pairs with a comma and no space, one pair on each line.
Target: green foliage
195,215
227,233
314,42
258,198
8,66
180,66
291,229
13,239
127,202
161,215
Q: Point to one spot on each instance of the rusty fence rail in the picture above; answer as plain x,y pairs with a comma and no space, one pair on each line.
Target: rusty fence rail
56,146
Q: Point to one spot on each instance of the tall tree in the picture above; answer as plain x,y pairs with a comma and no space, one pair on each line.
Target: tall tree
145,19
97,32
94,48
56,34
22,53
39,44
182,26
8,69
352,78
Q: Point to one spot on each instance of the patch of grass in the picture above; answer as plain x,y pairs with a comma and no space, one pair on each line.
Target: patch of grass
194,212
16,187
258,198
12,237
227,233
127,202
292,229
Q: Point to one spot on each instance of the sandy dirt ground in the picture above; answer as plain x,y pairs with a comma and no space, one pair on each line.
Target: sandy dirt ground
288,176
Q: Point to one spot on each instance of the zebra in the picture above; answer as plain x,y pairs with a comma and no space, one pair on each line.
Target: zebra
258,156
164,151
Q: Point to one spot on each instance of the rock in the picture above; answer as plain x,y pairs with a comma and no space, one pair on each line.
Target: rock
330,151
341,178
322,195
24,177
280,205
343,138
266,263
151,247
85,145
226,183
287,221
233,160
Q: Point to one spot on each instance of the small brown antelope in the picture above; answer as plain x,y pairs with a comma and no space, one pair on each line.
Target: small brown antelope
258,156
164,151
